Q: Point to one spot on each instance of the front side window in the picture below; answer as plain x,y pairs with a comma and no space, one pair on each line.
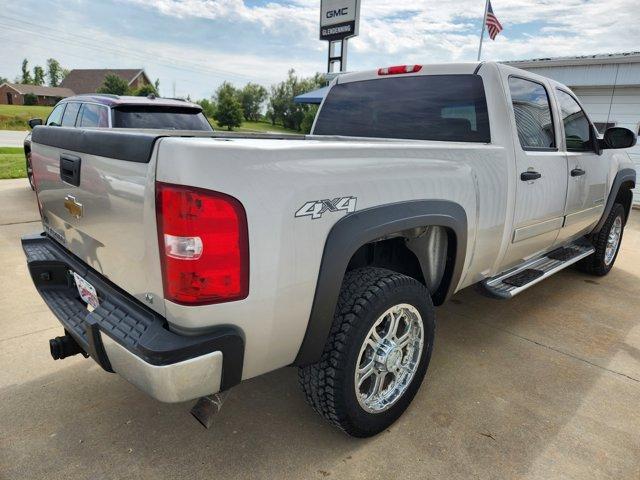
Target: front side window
427,107
55,117
93,115
70,114
533,114
603,126
577,129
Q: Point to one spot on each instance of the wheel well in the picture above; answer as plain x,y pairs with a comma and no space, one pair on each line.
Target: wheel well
426,254
625,197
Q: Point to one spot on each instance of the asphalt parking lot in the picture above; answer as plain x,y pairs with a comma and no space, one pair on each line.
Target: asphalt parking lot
544,386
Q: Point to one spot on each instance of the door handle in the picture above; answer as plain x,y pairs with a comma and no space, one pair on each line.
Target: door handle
70,169
577,172
529,175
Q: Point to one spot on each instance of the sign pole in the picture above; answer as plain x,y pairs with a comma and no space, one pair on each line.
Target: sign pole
484,23
339,21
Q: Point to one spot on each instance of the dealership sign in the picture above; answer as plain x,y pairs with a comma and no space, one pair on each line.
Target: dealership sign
339,19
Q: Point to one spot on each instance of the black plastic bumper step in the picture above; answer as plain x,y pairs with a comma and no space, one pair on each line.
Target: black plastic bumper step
123,318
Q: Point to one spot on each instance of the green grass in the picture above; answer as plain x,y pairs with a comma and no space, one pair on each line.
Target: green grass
12,164
15,117
255,127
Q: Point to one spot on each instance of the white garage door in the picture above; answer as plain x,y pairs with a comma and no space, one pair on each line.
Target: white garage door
625,112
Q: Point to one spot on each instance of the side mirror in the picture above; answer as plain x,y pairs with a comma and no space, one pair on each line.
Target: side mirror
34,122
618,137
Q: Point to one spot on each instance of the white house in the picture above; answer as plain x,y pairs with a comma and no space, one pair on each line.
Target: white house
608,86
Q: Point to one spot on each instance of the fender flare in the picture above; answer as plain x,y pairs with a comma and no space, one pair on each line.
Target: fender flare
623,176
360,228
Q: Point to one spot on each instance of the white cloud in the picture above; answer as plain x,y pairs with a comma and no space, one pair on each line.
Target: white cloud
443,30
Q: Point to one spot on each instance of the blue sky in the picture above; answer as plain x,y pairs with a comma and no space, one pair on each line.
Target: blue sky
197,44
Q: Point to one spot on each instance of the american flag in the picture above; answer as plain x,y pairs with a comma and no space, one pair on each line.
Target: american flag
493,25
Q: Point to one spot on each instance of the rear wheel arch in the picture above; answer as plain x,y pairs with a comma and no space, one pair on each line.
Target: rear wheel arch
381,223
623,183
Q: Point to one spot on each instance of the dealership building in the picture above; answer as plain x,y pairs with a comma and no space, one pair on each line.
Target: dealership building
607,85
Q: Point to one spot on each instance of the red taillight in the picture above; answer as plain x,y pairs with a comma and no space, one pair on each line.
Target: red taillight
399,69
204,246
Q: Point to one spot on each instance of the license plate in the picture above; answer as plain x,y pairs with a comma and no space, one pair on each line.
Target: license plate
86,290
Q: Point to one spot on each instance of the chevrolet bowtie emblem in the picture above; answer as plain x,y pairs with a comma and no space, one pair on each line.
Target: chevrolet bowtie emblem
74,208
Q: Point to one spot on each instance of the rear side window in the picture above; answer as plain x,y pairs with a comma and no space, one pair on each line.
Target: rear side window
93,115
577,129
70,114
430,107
55,117
533,114
160,118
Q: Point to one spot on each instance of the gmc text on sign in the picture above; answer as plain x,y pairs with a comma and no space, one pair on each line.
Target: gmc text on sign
339,19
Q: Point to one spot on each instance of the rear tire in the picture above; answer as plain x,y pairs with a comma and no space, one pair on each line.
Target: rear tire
383,326
607,244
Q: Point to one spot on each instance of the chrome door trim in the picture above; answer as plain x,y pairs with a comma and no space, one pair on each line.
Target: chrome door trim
536,229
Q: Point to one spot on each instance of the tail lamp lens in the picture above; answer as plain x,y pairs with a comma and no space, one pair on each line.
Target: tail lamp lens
399,69
204,245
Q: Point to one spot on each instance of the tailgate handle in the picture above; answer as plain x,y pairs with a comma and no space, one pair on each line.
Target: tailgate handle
70,169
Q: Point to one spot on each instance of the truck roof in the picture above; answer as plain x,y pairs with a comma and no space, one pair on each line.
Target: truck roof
425,69
121,100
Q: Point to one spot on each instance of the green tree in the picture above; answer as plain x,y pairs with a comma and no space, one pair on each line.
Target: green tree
26,74
3,80
114,85
145,91
309,117
38,75
252,97
228,108
284,109
208,107
271,116
55,72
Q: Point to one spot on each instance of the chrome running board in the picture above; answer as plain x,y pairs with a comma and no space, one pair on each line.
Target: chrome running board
512,282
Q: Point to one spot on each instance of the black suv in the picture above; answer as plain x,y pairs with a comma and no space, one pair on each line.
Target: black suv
113,111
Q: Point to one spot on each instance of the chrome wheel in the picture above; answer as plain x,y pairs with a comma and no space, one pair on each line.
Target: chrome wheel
389,358
613,241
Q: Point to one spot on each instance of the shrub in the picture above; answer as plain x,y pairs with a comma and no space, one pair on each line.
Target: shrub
114,85
145,91
30,99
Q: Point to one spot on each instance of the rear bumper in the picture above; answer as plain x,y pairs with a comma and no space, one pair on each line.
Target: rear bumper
124,336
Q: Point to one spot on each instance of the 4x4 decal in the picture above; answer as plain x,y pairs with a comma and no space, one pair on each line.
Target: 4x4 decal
316,208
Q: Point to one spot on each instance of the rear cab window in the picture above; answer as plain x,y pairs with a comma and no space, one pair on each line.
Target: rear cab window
160,117
427,107
93,115
532,111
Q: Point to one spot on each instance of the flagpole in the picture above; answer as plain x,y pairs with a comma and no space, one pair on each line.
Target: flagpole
484,23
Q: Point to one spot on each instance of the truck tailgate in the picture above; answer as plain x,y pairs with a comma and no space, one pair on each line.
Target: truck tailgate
96,194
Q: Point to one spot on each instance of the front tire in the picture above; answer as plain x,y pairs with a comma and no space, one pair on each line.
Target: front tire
607,244
377,352
30,172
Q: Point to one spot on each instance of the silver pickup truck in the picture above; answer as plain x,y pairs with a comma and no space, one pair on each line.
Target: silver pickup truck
187,262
